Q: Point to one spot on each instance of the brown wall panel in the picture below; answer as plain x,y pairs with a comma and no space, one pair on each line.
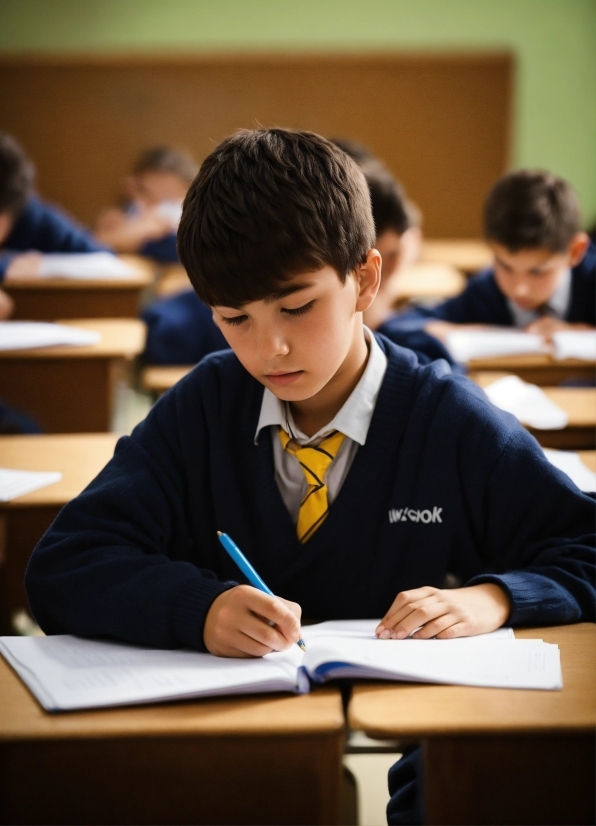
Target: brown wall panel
441,122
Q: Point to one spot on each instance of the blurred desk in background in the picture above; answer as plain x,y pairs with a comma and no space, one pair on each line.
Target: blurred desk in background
578,402
72,389
24,520
427,282
172,280
468,255
157,379
536,368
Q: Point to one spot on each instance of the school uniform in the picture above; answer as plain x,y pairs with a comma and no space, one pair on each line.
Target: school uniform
443,483
180,330
482,302
163,250
44,228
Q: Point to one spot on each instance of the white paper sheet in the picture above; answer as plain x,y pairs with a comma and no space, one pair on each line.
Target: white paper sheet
14,483
84,265
527,402
172,210
575,344
465,345
572,465
26,335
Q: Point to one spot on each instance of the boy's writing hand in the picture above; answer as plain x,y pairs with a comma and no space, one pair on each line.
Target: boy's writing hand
547,325
26,265
245,622
457,612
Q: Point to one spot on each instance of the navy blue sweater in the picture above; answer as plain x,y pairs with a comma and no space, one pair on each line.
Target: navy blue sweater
445,483
44,228
482,302
180,330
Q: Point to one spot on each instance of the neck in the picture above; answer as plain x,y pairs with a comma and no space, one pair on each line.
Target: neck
312,414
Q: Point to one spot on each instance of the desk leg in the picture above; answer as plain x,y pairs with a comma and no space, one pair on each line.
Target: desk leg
516,779
173,780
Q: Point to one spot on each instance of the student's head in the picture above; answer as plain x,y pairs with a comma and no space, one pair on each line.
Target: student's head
277,236
532,221
394,215
161,174
17,174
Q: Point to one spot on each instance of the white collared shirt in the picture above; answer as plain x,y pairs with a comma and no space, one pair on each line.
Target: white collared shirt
556,306
353,420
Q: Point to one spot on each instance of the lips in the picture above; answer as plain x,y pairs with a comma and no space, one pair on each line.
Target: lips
284,378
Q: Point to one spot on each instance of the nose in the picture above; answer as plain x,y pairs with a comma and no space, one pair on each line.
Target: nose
270,342
521,289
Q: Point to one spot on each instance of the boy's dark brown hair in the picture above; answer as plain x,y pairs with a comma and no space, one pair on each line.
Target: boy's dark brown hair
17,174
390,206
166,159
530,210
266,205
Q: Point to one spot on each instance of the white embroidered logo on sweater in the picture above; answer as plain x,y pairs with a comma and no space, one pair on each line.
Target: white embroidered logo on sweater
410,515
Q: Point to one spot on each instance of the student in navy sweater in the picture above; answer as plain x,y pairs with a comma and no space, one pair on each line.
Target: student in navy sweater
424,476
544,275
148,222
29,226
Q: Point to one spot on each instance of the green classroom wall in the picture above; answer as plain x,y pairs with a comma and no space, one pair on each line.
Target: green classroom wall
554,42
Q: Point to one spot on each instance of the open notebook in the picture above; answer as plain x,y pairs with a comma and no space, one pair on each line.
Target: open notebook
67,673
465,345
84,265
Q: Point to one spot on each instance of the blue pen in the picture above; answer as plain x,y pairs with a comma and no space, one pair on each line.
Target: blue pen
248,571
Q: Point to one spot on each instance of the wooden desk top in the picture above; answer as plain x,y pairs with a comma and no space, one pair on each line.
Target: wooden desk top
465,254
22,718
142,277
578,402
173,280
77,456
508,364
120,338
386,711
588,457
158,379
428,280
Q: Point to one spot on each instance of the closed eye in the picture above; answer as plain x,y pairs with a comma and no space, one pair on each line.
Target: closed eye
234,320
299,310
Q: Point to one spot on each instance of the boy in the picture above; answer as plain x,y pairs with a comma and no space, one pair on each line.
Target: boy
544,276
26,223
277,237
148,223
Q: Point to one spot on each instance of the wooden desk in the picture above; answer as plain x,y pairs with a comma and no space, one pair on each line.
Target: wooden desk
469,255
268,759
79,458
499,755
157,379
173,280
427,281
536,368
71,389
578,402
51,298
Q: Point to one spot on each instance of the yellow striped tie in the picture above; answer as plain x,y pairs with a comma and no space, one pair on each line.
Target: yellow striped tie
314,462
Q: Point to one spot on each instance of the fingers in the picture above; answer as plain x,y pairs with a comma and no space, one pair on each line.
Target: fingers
403,605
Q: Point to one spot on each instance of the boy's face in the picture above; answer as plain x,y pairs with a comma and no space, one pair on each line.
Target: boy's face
309,336
153,188
530,277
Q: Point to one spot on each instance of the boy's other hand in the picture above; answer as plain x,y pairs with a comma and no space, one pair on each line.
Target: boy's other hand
244,622
546,326
27,265
445,614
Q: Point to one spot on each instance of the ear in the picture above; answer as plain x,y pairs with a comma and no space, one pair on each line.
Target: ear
577,248
368,276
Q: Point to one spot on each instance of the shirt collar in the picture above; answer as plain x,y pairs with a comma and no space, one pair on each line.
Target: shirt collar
353,419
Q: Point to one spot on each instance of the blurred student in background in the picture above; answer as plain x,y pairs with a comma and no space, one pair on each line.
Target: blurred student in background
29,226
148,221
544,276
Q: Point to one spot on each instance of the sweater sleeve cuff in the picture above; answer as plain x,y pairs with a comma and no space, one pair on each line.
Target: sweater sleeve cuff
4,262
535,598
192,605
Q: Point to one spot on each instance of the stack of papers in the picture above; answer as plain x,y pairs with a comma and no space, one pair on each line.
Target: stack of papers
84,265
575,345
572,465
527,402
66,672
25,335
15,483
465,345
